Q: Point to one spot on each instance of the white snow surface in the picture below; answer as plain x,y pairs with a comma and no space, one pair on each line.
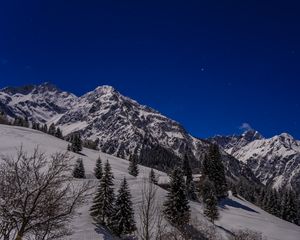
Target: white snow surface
236,213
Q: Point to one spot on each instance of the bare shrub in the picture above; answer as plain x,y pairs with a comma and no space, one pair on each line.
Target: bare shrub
150,214
38,195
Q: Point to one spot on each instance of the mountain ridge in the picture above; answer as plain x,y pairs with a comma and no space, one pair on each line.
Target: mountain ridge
122,125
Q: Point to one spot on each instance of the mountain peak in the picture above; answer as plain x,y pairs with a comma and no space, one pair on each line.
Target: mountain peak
251,135
26,89
47,86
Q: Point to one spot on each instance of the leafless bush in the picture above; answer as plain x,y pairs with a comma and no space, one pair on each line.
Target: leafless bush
150,214
38,196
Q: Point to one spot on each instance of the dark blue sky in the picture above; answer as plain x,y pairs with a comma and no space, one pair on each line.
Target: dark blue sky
211,65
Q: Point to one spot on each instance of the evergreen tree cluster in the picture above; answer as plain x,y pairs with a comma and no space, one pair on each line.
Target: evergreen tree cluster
4,119
283,203
75,143
114,212
213,169
54,131
22,122
156,156
91,144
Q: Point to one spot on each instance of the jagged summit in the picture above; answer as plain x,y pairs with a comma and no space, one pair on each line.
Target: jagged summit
232,143
251,135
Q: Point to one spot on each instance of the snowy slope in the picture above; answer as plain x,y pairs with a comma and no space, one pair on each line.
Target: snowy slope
274,161
235,213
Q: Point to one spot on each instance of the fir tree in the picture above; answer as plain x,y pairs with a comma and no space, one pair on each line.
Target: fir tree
123,219
98,169
176,207
210,201
58,133
76,143
52,129
79,171
102,209
152,177
189,182
213,168
45,128
133,168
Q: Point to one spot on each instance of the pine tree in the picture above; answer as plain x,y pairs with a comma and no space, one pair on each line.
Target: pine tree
133,168
210,201
176,207
189,182
79,171
52,129
45,128
102,209
76,143
123,219
152,177
58,133
98,169
213,168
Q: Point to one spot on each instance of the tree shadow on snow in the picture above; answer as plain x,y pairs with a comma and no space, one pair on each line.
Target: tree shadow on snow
231,203
224,229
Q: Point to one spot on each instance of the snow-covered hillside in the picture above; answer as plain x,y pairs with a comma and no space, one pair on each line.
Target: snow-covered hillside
236,213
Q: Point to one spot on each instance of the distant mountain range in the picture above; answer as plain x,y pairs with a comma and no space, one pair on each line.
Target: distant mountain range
124,127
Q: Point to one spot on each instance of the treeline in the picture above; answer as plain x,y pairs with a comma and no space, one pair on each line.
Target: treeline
283,203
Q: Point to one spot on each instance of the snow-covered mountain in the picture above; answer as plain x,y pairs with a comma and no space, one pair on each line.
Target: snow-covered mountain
274,161
122,125
235,213
38,103
233,143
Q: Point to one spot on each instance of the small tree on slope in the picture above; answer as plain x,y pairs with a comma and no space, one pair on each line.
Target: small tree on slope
98,169
79,171
133,168
123,219
210,201
176,207
102,209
